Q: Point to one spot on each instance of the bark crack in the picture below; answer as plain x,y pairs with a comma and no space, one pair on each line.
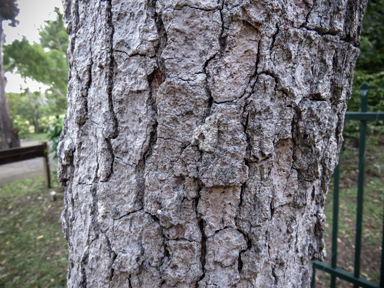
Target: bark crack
163,39
111,73
202,232
249,246
179,7
203,250
328,33
206,85
223,35
128,214
113,258
129,281
274,37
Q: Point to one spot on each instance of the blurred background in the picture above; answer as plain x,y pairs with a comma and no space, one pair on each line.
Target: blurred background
35,67
33,252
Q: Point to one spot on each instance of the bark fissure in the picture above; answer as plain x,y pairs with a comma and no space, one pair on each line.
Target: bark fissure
203,249
206,86
113,258
122,160
179,7
115,123
209,160
223,34
240,263
162,33
274,37
129,279
127,215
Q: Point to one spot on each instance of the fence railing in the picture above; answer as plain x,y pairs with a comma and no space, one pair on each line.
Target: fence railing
332,269
26,153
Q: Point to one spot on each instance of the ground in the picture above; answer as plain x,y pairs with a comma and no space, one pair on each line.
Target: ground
25,169
33,251
373,210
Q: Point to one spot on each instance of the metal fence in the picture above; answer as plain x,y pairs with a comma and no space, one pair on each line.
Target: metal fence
332,269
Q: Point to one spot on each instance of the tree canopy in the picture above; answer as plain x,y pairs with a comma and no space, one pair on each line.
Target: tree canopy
9,137
54,36
8,11
33,61
45,62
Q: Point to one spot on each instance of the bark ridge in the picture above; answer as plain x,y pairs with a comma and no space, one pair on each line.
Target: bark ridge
201,137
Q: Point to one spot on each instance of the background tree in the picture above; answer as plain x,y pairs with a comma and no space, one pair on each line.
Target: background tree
26,109
201,137
22,109
9,137
46,62
53,36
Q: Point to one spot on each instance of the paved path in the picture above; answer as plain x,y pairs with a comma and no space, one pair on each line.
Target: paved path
22,170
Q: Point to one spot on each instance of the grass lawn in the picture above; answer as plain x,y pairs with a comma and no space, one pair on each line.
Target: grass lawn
33,252
33,137
373,210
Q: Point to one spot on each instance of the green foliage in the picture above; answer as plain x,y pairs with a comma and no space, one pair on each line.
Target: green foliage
54,36
369,68
9,11
46,62
376,91
22,111
372,41
31,60
54,134
375,102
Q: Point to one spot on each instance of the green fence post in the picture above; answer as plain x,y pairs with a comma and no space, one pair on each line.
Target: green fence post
360,186
313,283
382,259
335,222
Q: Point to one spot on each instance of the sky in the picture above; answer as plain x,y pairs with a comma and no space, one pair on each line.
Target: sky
32,15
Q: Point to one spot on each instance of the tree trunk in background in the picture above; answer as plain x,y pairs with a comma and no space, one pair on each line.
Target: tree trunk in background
37,129
201,137
35,104
9,137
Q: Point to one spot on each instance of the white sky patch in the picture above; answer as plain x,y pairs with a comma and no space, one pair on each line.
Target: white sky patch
31,18
17,84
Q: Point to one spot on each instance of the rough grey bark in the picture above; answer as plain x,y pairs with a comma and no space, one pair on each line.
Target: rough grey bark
201,137
9,138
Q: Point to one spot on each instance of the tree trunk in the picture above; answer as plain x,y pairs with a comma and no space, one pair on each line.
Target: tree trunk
9,137
33,101
201,137
37,129
35,104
